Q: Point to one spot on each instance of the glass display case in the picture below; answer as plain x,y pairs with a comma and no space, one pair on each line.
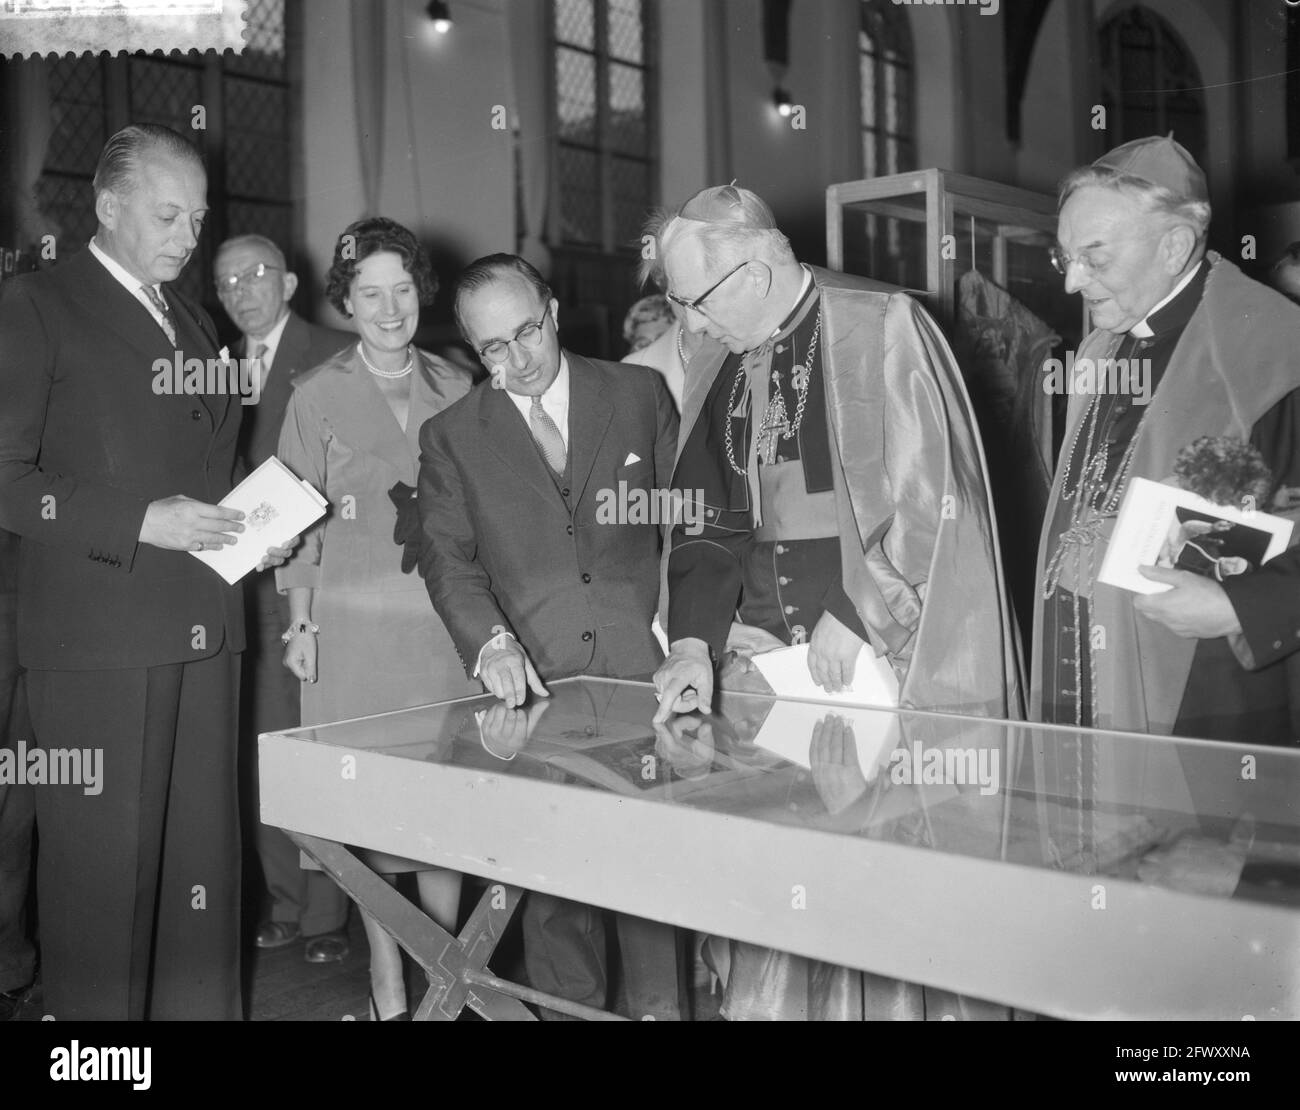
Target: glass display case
1074,873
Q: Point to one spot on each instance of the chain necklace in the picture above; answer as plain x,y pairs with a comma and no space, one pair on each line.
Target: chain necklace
1095,502
776,421
410,365
736,381
681,351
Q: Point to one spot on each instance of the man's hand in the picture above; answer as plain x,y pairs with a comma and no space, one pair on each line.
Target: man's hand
833,755
508,674
182,524
1196,608
275,556
833,654
687,744
685,680
504,732
300,656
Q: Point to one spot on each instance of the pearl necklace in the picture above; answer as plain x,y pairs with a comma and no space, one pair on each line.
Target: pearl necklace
410,365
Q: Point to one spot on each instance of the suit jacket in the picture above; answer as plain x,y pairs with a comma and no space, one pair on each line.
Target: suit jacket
503,549
302,346
85,445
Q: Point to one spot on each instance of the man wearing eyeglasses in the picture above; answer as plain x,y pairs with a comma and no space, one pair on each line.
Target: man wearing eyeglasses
532,580
842,473
255,286
1209,659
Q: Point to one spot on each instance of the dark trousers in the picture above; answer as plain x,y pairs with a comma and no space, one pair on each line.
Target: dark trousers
272,702
138,886
17,811
564,954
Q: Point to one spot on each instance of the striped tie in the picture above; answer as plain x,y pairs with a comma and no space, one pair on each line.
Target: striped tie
547,435
164,314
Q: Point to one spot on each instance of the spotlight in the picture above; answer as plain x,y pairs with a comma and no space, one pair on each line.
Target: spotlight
781,100
440,13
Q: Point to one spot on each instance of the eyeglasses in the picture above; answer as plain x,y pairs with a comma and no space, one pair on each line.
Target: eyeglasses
248,278
699,301
529,336
1061,262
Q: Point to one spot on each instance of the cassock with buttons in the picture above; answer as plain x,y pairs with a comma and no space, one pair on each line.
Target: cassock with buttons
851,432
129,648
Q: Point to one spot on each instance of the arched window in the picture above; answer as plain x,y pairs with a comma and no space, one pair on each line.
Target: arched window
1149,83
885,76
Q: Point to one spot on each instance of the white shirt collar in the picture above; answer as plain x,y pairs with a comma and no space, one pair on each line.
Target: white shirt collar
803,292
271,341
1142,329
555,401
130,283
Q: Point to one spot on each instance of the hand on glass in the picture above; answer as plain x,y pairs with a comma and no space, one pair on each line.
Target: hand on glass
687,744
1196,608
833,755
508,674
833,654
504,732
684,681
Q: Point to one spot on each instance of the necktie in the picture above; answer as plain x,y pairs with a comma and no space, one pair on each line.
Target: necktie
547,435
166,321
259,367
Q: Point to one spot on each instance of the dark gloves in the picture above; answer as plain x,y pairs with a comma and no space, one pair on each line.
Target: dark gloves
407,529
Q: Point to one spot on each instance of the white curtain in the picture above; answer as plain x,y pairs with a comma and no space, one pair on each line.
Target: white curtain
529,58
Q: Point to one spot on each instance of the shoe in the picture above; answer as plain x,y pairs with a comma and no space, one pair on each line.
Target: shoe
401,1015
12,1002
276,934
327,948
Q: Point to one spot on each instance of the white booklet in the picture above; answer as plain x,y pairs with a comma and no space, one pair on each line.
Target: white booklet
1166,526
277,506
786,671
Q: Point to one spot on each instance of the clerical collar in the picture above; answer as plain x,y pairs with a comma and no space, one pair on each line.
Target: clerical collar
807,295
1173,312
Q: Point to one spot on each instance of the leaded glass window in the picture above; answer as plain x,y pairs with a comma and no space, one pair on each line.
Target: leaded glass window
885,90
605,134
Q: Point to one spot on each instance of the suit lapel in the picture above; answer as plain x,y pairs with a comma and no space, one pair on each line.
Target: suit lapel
433,388
701,374
589,416
507,436
101,296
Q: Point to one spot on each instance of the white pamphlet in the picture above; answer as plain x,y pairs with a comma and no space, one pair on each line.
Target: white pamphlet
1167,526
786,671
277,506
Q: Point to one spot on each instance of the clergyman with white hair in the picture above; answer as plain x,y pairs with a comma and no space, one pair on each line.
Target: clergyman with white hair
1216,660
827,430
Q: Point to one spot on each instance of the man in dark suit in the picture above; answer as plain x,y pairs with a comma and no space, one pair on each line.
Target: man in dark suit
534,566
255,287
111,477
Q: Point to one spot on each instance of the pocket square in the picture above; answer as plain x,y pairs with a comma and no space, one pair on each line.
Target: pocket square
632,457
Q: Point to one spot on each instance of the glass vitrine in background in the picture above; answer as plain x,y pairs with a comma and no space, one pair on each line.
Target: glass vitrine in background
976,254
